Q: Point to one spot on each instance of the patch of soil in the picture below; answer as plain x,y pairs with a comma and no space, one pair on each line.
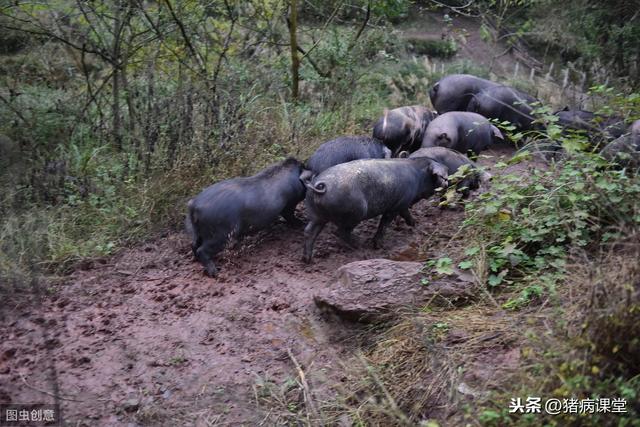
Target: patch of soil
467,33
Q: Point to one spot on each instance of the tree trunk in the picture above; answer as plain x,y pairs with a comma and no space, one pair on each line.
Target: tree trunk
295,61
115,106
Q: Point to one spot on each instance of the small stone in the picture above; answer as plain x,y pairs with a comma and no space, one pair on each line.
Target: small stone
131,405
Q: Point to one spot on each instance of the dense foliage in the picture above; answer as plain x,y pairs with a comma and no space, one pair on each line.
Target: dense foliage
598,38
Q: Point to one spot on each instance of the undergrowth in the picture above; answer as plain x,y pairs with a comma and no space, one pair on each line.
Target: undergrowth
553,249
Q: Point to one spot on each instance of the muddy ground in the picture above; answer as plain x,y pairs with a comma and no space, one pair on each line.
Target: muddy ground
146,338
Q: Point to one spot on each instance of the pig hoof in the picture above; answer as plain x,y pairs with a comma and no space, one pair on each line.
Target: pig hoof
211,271
306,259
377,244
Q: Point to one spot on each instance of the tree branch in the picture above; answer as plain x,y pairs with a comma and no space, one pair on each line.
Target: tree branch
225,46
313,64
362,27
186,38
324,27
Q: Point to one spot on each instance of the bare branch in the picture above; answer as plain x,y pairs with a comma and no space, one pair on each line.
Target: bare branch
324,27
186,38
314,64
362,27
12,108
225,47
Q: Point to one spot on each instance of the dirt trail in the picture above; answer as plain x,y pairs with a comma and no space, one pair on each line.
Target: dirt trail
471,46
147,338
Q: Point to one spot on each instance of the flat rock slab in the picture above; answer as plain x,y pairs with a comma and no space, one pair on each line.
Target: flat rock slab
372,290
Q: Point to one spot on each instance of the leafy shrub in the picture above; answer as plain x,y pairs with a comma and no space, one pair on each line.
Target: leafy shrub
597,37
433,47
528,226
11,41
587,346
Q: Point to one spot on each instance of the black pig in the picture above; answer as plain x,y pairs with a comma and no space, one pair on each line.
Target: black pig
453,92
342,150
235,207
461,131
402,129
598,127
349,193
505,103
454,160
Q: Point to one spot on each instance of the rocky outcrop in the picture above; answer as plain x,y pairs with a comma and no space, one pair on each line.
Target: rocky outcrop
624,151
372,290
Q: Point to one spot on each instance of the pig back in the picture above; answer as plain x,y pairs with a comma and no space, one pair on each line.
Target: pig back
367,188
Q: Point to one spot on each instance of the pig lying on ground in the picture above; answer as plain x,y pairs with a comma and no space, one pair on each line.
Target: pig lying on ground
505,103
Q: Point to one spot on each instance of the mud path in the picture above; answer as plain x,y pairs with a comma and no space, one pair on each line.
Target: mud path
146,338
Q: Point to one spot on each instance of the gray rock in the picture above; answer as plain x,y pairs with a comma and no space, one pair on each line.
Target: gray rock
372,290
625,151
131,405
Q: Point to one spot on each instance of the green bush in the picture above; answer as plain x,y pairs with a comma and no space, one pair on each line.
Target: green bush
524,229
436,48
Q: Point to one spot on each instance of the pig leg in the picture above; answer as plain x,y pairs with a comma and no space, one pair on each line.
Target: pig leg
289,216
344,233
205,253
385,220
197,242
311,232
406,215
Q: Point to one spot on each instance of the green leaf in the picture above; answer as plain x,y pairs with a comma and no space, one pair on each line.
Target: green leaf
485,33
444,266
465,265
472,251
496,279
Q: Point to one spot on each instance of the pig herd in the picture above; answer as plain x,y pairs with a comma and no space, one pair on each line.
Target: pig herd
413,151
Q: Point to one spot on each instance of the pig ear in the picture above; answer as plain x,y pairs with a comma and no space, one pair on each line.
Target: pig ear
403,154
306,176
496,133
441,174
